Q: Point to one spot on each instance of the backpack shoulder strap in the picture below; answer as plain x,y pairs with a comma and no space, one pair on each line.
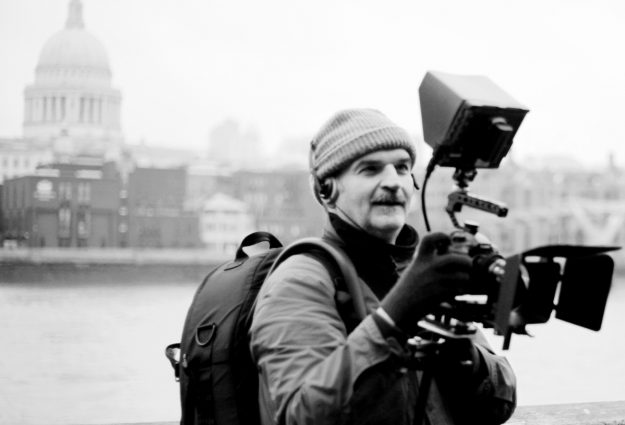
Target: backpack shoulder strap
338,259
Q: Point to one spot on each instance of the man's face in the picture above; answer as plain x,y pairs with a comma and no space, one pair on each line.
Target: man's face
375,192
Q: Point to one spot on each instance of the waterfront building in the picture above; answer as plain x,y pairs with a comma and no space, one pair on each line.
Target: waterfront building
204,180
224,222
155,212
63,204
18,158
282,202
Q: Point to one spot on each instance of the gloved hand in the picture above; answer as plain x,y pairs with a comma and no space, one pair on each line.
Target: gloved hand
435,275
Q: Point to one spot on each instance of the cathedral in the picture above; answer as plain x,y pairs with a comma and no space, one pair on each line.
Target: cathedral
71,109
72,104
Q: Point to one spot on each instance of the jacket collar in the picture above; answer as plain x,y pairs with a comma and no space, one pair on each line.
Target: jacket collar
377,262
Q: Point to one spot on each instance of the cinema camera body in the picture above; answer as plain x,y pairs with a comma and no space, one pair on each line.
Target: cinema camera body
470,123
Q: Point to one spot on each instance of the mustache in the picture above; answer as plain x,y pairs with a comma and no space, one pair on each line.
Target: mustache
389,198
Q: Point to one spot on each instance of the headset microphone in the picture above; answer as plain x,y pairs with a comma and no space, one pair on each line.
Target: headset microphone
414,181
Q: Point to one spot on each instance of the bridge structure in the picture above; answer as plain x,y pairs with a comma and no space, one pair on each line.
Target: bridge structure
576,220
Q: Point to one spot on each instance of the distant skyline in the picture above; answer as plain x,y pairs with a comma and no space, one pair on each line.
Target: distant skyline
282,67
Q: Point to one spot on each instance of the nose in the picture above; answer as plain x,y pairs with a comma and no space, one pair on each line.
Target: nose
390,178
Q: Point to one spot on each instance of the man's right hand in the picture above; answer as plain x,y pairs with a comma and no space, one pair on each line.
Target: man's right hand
434,276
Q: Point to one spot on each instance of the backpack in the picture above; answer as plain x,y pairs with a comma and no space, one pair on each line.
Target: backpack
218,378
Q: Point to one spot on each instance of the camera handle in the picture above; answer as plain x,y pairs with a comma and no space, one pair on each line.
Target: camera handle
461,197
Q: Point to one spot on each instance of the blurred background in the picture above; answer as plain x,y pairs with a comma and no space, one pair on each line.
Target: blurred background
140,141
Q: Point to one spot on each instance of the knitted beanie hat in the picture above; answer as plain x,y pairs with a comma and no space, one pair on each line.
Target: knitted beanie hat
353,133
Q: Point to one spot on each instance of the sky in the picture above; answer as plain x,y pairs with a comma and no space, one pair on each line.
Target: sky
282,67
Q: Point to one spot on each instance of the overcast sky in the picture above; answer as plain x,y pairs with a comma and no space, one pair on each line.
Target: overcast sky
283,66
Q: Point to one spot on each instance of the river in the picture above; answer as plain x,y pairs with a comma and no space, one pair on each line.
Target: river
93,354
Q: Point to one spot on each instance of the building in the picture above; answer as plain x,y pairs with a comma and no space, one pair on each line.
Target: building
224,222
282,202
18,158
63,204
71,109
153,206
71,103
235,147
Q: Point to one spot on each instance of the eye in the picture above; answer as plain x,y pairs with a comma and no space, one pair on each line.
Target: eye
402,168
369,169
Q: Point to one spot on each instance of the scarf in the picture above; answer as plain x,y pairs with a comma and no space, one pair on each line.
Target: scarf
377,262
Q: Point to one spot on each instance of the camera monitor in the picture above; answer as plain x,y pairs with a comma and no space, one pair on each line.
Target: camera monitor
468,120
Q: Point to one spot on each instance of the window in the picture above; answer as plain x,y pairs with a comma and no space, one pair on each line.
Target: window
65,217
90,109
83,223
100,111
62,107
84,192
65,190
53,109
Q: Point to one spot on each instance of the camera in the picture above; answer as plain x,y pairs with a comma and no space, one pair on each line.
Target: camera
470,123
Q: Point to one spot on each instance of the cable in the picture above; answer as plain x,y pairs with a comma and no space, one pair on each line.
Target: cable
351,220
428,172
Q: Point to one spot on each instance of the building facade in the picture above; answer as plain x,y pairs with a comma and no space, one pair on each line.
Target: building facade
64,205
19,159
155,211
282,202
224,222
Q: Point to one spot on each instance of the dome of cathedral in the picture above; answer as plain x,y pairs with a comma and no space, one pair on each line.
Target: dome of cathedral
73,46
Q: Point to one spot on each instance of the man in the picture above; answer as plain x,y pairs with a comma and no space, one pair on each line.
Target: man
317,369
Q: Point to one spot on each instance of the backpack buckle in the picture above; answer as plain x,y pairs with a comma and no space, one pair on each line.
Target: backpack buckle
172,352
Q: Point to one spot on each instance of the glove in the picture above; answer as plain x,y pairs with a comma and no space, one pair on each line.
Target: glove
434,276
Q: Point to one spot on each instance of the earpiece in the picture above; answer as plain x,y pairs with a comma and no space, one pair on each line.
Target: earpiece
326,190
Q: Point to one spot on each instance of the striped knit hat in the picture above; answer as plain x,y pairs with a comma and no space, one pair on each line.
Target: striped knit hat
353,133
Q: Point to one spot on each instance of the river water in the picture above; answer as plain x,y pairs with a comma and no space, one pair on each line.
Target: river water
93,354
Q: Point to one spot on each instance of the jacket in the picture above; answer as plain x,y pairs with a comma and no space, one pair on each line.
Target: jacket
312,370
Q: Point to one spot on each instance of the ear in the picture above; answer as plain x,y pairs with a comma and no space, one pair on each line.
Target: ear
326,191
